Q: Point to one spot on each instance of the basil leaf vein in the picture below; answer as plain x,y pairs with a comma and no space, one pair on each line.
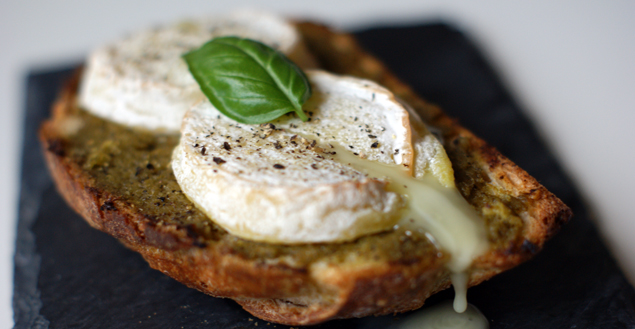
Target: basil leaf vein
248,81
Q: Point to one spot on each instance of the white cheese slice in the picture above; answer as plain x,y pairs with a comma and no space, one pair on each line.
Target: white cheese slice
142,81
285,185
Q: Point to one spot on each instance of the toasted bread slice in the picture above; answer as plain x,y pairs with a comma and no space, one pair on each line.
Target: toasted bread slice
120,181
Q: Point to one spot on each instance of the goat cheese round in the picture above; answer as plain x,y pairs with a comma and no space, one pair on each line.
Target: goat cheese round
142,81
282,182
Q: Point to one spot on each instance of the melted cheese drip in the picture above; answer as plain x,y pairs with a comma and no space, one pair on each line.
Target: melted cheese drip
459,282
444,317
442,211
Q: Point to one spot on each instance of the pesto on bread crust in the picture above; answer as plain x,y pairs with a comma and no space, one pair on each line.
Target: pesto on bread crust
119,179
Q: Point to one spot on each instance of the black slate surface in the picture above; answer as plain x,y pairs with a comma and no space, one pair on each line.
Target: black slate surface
68,275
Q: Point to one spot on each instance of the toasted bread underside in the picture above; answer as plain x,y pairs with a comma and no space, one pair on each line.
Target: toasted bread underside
141,204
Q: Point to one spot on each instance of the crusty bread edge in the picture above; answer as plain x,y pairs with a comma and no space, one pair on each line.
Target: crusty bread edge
267,290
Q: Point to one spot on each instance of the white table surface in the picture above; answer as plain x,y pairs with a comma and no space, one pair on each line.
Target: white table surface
570,65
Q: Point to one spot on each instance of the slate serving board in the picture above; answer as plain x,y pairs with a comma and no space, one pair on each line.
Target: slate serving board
68,275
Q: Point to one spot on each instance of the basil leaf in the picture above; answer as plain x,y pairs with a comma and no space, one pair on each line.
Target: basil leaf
248,81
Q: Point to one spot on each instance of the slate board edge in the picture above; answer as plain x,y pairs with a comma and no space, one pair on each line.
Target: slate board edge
41,89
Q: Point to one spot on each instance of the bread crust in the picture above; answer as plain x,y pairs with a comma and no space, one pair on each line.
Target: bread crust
312,294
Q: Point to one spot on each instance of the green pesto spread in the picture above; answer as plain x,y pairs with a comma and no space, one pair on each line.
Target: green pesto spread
135,165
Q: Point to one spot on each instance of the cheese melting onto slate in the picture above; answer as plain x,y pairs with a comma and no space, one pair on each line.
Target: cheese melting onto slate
142,81
442,316
363,164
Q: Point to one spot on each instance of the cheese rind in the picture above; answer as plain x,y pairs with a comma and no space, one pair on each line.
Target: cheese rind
143,82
